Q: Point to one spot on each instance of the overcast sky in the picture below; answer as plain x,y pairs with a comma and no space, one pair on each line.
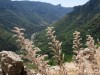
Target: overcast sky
65,3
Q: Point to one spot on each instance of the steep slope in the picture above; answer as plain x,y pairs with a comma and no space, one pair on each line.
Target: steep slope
33,16
84,18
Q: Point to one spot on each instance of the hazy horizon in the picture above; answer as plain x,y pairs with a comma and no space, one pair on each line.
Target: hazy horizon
65,3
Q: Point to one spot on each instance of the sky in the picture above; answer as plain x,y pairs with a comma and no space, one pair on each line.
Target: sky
65,3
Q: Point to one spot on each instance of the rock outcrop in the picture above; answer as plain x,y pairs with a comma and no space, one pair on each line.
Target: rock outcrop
11,64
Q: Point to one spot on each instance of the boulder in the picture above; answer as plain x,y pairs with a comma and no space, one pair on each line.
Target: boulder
11,64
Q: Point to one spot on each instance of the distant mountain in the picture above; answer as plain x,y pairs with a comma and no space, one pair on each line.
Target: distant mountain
33,16
84,18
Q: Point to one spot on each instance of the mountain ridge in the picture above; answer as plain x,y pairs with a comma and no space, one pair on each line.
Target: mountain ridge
29,14
26,15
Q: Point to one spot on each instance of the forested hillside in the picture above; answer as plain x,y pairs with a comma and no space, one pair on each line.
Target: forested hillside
84,18
33,16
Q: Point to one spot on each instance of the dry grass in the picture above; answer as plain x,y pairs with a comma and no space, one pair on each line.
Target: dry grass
86,60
